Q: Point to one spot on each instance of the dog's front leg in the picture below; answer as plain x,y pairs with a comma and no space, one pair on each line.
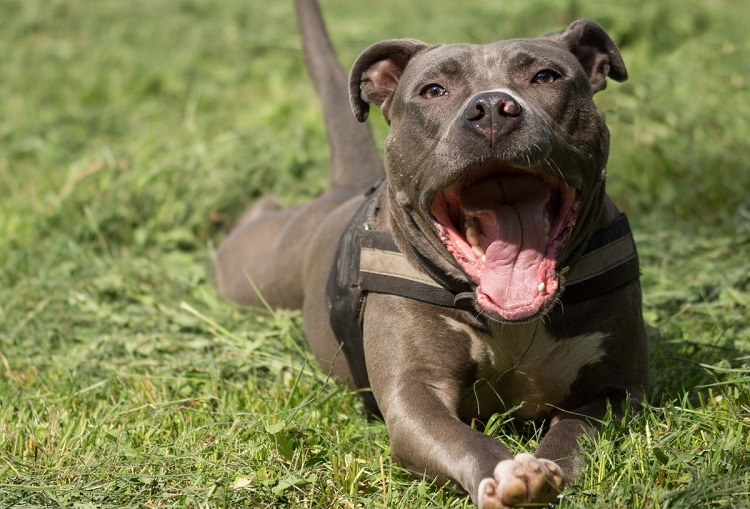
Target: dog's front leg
417,367
562,441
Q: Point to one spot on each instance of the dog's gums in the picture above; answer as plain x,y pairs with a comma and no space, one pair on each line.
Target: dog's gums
506,230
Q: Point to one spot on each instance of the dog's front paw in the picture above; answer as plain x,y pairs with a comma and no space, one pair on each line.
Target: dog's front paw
522,481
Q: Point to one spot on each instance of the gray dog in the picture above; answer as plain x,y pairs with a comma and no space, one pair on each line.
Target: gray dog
486,271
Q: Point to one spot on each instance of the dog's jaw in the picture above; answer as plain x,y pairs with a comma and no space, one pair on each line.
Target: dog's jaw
506,228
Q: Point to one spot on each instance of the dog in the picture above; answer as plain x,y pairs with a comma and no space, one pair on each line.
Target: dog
485,271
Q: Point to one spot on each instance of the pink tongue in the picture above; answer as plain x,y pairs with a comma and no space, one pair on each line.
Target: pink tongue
510,211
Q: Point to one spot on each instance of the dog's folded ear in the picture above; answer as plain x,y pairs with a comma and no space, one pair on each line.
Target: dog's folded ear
377,72
595,50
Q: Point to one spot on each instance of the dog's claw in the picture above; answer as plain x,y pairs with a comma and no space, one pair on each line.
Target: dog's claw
524,480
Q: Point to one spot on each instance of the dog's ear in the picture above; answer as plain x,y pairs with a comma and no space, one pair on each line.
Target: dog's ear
595,50
376,74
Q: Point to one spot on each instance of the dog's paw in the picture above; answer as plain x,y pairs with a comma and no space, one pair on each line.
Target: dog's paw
522,481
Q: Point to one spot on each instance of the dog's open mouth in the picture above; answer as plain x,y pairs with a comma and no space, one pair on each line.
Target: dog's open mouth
506,228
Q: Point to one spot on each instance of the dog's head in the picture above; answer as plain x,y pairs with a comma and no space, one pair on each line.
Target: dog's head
496,156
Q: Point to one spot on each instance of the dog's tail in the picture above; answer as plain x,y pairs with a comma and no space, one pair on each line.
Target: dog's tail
354,156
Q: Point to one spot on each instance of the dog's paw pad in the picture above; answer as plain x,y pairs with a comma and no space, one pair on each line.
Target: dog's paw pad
524,480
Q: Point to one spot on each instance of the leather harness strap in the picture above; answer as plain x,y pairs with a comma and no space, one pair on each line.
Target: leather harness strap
609,261
369,261
384,269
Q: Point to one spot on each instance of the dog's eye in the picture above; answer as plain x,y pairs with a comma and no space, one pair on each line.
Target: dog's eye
432,91
545,76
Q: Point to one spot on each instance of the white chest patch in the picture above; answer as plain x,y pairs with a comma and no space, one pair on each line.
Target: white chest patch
524,366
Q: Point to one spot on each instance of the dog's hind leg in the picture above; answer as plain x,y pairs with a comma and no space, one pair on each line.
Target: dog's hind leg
265,252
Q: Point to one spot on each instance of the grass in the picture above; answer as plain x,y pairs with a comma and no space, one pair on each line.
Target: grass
132,134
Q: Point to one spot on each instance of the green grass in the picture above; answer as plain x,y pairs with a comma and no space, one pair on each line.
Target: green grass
133,132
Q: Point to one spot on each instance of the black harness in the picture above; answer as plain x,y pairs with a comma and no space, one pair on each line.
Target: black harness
369,261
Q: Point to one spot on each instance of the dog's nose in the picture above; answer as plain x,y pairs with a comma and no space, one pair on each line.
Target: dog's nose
492,114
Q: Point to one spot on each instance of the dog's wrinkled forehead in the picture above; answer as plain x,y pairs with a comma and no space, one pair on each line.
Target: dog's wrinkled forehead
490,66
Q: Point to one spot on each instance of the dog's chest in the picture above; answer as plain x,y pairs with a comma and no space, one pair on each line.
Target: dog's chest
524,367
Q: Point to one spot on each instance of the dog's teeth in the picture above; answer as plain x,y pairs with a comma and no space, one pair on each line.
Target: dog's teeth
546,222
472,236
478,251
484,258
541,287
